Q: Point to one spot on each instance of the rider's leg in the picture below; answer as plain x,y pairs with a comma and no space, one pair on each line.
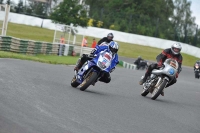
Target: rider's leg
83,59
148,72
105,78
171,83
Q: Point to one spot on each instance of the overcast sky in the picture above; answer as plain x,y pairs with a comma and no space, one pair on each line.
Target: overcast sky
195,8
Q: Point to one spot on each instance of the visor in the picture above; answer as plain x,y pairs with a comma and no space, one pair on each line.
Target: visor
113,50
177,50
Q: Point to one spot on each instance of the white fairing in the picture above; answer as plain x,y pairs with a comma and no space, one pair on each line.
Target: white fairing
170,69
104,60
104,43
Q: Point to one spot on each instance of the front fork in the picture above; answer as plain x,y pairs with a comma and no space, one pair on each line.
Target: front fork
160,80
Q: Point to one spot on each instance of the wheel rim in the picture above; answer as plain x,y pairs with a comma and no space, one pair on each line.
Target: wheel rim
85,81
144,91
73,80
154,91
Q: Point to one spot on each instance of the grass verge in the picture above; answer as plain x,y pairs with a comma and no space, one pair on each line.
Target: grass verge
51,59
126,49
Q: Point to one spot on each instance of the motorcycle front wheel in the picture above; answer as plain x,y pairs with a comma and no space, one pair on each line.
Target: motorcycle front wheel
91,77
144,92
157,91
74,83
197,74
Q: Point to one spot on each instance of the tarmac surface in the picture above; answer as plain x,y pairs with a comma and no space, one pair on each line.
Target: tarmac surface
38,98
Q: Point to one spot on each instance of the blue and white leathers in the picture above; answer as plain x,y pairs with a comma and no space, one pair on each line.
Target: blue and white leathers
104,60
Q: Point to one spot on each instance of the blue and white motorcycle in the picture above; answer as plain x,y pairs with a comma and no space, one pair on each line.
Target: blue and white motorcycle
92,70
159,78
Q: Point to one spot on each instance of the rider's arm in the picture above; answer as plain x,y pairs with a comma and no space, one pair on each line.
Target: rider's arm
162,57
115,61
102,40
98,49
180,63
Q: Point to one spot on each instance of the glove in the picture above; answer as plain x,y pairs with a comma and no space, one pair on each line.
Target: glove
93,51
176,75
90,55
112,69
160,64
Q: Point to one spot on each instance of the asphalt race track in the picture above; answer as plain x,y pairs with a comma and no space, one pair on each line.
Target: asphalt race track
38,98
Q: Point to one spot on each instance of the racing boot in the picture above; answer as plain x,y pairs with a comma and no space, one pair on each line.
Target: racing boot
141,82
147,74
78,66
94,83
162,93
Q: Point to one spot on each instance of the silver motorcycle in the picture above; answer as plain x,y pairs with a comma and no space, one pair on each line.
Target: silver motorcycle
159,78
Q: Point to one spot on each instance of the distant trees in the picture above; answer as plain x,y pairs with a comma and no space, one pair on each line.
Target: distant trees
168,19
1,1
70,11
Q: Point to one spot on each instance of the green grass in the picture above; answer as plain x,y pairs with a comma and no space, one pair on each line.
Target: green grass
126,49
51,59
30,32
54,59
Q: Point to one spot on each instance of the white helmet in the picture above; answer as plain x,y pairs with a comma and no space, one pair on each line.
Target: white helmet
176,48
114,47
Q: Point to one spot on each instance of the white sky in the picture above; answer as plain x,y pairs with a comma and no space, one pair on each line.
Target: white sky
195,8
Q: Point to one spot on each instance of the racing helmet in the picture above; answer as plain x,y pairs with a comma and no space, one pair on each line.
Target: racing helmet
110,36
176,48
114,47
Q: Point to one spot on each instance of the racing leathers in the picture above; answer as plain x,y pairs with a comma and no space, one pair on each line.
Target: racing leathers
106,76
105,39
167,53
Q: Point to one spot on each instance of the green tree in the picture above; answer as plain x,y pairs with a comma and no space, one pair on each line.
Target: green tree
70,11
19,8
182,19
1,1
8,2
36,8
168,19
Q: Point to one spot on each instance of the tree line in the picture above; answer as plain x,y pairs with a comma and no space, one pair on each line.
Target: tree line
29,7
167,19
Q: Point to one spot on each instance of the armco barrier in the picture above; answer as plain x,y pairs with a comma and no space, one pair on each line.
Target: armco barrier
127,65
17,45
100,32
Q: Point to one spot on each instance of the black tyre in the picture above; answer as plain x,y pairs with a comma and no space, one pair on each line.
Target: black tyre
157,91
197,75
74,83
144,92
92,76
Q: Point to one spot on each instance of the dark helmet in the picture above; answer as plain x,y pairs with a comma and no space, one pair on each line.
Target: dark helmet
110,36
114,47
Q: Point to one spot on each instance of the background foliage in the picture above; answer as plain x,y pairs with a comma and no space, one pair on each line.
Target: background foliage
167,19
